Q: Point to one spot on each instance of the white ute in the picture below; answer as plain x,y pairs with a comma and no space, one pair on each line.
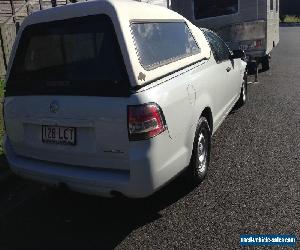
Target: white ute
116,97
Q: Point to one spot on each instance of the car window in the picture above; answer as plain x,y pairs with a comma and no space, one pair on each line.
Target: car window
214,8
160,43
77,56
218,46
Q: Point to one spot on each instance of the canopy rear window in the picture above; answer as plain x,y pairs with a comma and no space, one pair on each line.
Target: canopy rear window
214,8
78,56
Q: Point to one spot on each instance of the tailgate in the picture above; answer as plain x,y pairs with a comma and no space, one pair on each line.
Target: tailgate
67,94
101,137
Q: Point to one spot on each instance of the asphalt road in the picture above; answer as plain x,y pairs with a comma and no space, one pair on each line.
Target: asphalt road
253,186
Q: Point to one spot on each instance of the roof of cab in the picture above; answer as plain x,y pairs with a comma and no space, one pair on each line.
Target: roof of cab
122,12
125,9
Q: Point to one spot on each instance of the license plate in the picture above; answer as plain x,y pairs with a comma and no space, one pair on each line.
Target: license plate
244,47
59,135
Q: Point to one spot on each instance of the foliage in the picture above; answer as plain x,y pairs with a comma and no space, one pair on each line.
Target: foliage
291,19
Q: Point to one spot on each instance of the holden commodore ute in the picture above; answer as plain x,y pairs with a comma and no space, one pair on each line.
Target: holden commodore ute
116,97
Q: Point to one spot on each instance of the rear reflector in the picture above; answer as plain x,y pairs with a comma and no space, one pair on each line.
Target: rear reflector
145,121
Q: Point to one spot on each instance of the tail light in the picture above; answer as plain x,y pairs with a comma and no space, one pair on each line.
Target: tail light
251,44
258,43
145,121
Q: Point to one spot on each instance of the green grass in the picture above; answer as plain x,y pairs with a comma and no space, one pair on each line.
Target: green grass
291,19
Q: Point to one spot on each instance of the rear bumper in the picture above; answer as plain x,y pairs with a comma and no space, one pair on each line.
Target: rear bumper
256,53
143,179
81,179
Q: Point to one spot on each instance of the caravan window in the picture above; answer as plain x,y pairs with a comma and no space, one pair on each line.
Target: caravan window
271,4
214,8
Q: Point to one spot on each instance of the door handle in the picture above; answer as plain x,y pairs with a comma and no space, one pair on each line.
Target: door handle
228,69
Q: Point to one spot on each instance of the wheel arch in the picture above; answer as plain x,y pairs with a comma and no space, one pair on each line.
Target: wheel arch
206,112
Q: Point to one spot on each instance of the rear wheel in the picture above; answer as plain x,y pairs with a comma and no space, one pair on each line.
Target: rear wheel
199,164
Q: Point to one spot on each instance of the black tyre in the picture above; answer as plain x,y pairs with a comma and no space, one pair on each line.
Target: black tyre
243,95
251,68
199,164
265,63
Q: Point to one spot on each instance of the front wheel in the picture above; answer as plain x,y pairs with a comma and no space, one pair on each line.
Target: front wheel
265,63
199,164
244,91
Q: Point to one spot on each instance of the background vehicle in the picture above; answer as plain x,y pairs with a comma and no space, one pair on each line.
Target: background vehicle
252,26
94,92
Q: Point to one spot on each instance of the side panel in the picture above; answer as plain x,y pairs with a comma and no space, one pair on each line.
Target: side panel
253,21
247,31
183,97
176,95
248,11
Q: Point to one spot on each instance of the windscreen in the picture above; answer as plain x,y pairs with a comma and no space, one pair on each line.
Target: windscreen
78,56
214,8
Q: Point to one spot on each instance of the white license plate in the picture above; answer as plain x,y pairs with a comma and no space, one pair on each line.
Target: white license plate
244,47
59,135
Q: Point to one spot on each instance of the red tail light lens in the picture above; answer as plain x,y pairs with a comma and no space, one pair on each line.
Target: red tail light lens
258,43
145,121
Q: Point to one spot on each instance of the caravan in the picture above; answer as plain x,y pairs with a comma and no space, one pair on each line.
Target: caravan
252,26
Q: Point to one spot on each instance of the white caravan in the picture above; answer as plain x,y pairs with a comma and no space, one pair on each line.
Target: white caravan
251,25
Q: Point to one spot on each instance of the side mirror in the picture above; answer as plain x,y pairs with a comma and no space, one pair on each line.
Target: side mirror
238,54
